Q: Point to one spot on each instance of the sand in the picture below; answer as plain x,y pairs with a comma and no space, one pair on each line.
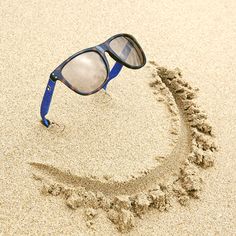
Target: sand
155,155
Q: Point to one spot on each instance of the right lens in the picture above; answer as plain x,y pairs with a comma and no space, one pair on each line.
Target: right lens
86,72
127,50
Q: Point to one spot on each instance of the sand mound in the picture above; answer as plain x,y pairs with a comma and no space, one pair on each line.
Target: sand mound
153,181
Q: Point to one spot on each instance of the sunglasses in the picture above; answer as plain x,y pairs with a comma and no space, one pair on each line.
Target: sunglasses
87,71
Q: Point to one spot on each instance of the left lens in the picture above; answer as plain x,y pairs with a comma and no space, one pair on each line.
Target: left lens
86,72
128,51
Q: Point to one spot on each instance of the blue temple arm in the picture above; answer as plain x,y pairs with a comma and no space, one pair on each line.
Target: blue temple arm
113,73
47,98
117,67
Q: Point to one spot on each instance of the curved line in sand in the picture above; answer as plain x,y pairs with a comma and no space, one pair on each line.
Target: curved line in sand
178,176
170,166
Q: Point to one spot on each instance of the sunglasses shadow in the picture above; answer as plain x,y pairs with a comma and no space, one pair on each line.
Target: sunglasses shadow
102,97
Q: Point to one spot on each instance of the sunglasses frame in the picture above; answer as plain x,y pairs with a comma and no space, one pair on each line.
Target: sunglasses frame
111,74
100,49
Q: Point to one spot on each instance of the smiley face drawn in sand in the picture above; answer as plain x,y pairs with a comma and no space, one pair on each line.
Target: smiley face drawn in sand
174,177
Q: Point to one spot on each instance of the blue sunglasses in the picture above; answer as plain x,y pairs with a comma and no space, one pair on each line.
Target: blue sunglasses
87,71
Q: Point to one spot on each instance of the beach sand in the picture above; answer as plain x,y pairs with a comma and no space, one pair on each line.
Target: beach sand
155,155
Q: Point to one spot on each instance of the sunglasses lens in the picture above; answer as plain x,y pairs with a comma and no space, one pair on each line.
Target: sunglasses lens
86,72
128,51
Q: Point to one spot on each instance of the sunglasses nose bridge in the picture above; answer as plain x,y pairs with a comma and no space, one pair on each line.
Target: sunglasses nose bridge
102,48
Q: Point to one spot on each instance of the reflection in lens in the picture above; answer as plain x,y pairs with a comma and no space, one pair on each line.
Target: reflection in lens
127,50
86,72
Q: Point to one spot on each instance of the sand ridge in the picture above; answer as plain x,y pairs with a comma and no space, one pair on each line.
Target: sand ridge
177,178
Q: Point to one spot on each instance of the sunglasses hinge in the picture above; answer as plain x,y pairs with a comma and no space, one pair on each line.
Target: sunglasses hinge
53,77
